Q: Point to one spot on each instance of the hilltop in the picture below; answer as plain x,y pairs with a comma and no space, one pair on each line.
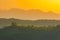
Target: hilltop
7,22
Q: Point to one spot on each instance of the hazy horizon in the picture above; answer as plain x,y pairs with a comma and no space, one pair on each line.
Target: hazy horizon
30,9
30,19
32,14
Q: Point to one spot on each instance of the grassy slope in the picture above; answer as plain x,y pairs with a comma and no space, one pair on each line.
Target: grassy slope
23,33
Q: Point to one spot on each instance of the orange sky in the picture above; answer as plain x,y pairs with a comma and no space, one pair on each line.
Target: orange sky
52,7
49,5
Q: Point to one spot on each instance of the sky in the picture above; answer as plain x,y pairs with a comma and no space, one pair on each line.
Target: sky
43,5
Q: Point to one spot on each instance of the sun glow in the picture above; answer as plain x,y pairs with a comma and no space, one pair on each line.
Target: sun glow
54,1
49,5
43,5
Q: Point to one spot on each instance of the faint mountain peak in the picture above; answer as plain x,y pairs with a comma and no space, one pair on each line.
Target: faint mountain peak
51,12
16,10
34,10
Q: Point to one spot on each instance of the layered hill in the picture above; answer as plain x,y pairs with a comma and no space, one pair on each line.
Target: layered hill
7,22
32,14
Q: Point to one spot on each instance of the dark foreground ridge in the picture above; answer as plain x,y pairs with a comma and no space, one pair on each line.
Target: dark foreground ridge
15,32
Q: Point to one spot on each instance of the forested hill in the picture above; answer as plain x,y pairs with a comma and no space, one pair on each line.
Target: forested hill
7,22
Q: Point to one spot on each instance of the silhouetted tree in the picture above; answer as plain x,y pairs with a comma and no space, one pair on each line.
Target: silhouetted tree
13,24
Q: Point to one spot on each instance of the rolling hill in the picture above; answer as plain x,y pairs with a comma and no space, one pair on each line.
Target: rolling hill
7,22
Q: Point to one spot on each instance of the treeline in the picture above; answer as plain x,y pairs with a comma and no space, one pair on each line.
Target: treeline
32,27
45,28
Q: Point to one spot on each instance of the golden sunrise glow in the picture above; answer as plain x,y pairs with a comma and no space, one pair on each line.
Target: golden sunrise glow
33,9
49,5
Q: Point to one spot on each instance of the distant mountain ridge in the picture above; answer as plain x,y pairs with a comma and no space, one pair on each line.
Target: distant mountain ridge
28,14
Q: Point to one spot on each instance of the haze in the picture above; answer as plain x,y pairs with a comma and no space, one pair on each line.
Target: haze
30,9
33,14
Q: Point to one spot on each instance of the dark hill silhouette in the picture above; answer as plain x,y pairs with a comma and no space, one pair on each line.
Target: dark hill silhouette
15,32
7,22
